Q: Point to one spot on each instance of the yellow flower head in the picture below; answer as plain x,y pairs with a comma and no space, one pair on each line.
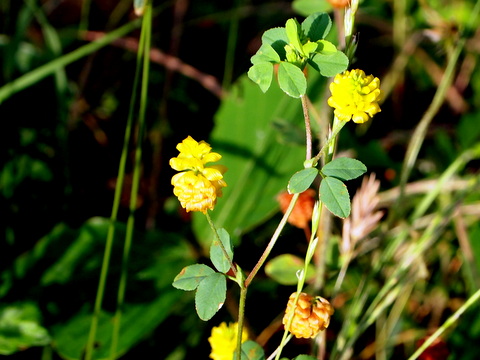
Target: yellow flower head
355,96
197,186
224,341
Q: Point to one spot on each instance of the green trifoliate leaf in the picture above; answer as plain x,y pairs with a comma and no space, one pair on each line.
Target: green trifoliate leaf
251,351
291,80
261,74
301,180
292,28
266,53
334,194
309,48
329,65
191,276
217,256
277,39
326,47
344,168
210,296
317,26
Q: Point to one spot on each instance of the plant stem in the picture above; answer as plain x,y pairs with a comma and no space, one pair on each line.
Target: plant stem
337,126
113,218
217,238
272,241
241,317
52,67
144,52
449,322
308,129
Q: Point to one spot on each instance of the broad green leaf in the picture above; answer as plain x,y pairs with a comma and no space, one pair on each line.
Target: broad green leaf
277,39
210,296
317,26
307,7
302,180
251,351
138,319
261,74
309,48
217,255
344,168
329,65
326,47
283,269
291,28
259,165
266,53
334,194
20,328
305,357
291,80
191,276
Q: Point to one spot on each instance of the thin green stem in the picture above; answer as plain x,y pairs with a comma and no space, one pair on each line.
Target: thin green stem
272,241
111,228
449,322
333,135
231,45
421,130
241,317
308,129
52,67
300,284
217,238
145,51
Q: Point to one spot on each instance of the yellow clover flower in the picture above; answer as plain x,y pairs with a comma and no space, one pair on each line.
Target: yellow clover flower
197,186
224,341
355,96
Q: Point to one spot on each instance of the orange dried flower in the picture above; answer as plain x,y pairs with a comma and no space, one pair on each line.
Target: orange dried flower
303,210
311,315
339,4
437,351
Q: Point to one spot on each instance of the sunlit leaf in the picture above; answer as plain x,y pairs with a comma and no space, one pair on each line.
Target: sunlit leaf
291,80
329,65
317,26
277,39
291,28
261,74
266,53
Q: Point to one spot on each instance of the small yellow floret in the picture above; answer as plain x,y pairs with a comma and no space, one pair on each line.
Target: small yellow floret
355,96
224,341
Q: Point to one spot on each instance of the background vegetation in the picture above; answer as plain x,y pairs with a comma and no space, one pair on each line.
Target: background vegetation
67,74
